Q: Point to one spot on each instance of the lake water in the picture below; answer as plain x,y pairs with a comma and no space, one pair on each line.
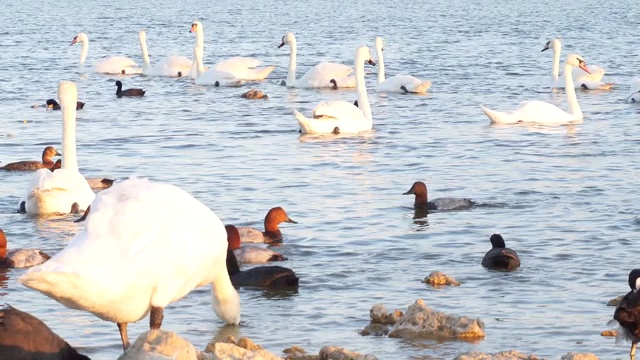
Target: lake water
564,197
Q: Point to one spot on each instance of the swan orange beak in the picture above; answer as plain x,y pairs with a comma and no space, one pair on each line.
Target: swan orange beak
584,67
193,28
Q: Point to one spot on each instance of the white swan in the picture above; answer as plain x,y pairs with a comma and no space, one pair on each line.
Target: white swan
110,65
541,112
398,83
342,116
144,246
172,66
243,68
320,75
212,76
584,81
64,190
635,91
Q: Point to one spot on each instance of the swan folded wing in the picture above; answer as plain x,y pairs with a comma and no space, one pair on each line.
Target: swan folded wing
115,65
321,74
596,74
341,110
237,63
218,78
538,112
56,192
171,65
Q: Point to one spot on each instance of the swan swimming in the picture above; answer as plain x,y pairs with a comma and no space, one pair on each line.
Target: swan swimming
398,83
145,245
541,112
242,68
172,66
110,65
322,75
590,81
65,190
342,116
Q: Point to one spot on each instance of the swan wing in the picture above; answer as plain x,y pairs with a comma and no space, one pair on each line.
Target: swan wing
171,65
217,78
115,65
334,117
403,84
237,63
539,112
596,74
56,192
634,91
337,110
157,241
321,75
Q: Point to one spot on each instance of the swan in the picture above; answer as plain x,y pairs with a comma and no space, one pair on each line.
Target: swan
242,68
172,66
635,91
421,202
250,254
590,81
212,76
342,116
144,245
500,257
398,83
320,75
271,234
19,258
541,112
47,161
64,190
110,65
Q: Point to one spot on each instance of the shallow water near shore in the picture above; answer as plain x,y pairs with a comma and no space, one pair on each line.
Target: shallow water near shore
564,197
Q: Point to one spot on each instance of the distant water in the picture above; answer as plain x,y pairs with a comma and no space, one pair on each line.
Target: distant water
565,198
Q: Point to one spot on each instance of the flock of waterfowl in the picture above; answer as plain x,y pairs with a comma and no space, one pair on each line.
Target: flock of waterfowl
137,222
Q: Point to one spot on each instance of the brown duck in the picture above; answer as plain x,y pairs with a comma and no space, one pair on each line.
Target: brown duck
47,162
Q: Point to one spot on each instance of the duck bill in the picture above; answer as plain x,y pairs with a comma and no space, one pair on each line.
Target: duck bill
410,192
289,220
58,153
584,67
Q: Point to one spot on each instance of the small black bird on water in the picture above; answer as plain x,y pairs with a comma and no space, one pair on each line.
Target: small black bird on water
628,312
128,92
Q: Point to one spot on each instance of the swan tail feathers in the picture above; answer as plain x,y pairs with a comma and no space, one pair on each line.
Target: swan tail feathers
262,73
303,121
423,87
493,116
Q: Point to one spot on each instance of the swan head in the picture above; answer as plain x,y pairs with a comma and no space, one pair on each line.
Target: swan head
195,27
364,52
552,44
288,38
576,60
379,43
81,37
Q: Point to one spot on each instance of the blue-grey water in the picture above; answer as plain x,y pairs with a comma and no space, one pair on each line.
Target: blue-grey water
564,197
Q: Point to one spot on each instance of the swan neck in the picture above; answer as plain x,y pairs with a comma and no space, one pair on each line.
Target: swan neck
69,159
574,107
197,52
361,87
291,75
85,50
200,37
381,77
225,299
145,53
556,63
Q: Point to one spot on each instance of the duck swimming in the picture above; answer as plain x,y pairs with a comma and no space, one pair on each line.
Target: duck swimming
24,336
419,189
128,92
500,257
250,254
271,233
19,258
47,161
53,105
145,245
262,276
627,312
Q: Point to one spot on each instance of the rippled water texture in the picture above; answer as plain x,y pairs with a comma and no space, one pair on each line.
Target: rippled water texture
565,198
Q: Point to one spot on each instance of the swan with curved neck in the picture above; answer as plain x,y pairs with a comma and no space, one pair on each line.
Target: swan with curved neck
64,190
541,112
172,66
145,245
322,75
342,116
110,65
583,81
399,83
242,68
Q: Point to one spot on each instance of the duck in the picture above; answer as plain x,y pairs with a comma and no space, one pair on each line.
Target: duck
52,104
419,189
271,234
19,258
145,245
500,257
24,336
110,65
129,92
404,84
47,161
65,190
250,254
627,313
262,276
56,165
254,94
100,183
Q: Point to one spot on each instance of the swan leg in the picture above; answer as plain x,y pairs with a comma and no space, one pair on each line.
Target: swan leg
23,207
633,350
334,83
75,208
155,319
336,130
123,335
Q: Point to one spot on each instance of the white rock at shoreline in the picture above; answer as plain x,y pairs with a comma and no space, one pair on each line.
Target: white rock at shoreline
160,345
503,355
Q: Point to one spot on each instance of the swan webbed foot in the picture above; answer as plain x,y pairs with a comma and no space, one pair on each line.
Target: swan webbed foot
123,335
155,318
334,83
75,208
23,207
632,354
404,88
336,130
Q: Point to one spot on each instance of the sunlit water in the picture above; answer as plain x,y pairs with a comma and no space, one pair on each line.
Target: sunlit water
565,198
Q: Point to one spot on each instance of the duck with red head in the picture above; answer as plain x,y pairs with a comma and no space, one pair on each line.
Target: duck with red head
251,254
24,336
47,161
419,189
19,258
271,233
627,312
263,276
500,257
